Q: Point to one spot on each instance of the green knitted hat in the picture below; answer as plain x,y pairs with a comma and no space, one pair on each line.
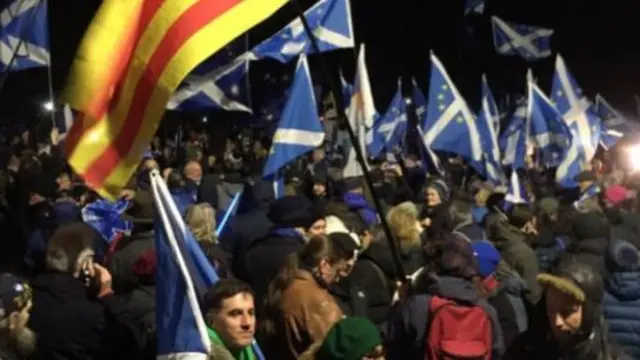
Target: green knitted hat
349,339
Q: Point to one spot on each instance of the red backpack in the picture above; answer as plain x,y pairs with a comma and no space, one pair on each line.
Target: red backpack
457,332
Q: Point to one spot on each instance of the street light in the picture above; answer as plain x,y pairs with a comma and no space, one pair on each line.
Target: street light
48,106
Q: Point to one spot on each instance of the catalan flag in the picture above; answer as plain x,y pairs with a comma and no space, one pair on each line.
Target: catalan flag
133,56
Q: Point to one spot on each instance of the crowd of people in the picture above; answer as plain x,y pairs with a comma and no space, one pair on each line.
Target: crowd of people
312,274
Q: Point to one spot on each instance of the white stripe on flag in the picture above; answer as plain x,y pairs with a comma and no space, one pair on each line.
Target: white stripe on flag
298,137
159,190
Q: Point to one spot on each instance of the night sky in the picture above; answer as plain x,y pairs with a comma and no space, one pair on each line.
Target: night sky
598,40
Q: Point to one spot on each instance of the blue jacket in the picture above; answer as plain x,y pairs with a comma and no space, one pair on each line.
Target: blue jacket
621,309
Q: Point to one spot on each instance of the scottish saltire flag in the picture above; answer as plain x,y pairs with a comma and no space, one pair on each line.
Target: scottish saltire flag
474,7
390,129
330,21
486,122
225,90
26,20
219,82
547,130
513,140
591,192
583,122
104,217
432,161
299,130
491,106
529,42
612,118
183,274
449,124
361,114
516,192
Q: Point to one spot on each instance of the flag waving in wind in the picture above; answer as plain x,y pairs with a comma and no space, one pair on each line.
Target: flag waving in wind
184,274
131,60
330,22
299,130
529,42
24,20
449,124
361,114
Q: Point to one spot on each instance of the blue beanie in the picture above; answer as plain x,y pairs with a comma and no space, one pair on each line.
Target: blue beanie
487,257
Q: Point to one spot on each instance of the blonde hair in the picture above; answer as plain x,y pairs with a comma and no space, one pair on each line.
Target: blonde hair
403,220
201,219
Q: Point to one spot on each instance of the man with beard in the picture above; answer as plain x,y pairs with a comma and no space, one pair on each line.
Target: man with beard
17,341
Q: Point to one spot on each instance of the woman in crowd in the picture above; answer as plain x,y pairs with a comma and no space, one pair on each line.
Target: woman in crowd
567,322
298,309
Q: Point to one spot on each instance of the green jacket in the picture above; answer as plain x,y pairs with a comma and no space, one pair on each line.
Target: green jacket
221,349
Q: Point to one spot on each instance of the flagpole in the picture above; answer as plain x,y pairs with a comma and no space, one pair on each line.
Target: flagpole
49,74
354,143
14,54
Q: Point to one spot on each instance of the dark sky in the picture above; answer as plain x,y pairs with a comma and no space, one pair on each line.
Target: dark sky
598,40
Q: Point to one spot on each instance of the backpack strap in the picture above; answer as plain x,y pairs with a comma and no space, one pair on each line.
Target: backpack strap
463,235
381,275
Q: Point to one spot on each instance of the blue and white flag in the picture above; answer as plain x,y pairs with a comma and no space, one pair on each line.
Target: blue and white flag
105,218
474,7
513,140
225,90
592,191
449,124
612,119
547,130
390,129
487,122
24,20
299,130
529,42
516,192
330,22
183,274
361,114
583,122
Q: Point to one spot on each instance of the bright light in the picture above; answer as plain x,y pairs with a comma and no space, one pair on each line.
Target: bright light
634,157
204,119
48,106
408,101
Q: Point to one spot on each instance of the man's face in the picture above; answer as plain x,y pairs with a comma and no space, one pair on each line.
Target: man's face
235,322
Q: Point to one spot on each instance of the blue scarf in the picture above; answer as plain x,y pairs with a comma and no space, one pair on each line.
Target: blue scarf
287,232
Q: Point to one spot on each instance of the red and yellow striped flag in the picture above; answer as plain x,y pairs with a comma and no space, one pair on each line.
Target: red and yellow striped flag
133,56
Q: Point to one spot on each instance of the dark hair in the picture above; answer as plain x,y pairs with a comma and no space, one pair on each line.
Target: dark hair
317,249
175,180
67,244
520,215
223,290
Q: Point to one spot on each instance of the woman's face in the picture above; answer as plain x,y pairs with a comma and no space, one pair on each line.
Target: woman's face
331,273
433,198
564,314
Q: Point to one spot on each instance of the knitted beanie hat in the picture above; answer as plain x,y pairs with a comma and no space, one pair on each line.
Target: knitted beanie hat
349,339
